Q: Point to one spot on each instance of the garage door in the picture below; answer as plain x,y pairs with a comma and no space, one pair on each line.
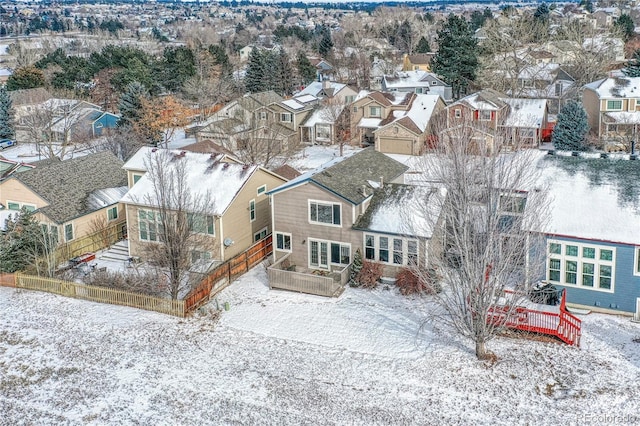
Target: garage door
394,146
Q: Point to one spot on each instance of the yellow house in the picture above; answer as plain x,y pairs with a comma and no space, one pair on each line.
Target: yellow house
418,61
73,198
237,214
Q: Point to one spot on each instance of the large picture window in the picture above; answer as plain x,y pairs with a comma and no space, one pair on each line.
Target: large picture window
392,250
614,105
325,213
581,265
325,253
201,224
149,225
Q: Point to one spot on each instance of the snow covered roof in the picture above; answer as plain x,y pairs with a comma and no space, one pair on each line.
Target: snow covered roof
369,123
417,117
316,88
486,99
623,117
526,113
347,176
323,115
293,104
403,210
593,198
105,197
404,79
616,87
206,175
305,99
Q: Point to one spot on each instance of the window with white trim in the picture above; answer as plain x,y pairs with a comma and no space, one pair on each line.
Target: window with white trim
636,262
391,250
252,210
262,189
201,223
614,105
68,232
325,213
14,205
581,265
324,253
457,112
149,225
136,178
375,111
484,115
260,234
112,213
283,241
286,117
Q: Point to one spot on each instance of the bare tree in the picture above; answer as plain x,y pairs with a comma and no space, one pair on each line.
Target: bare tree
489,259
49,126
122,141
335,112
183,220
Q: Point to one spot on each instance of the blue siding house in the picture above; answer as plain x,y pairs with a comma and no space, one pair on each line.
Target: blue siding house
105,120
593,231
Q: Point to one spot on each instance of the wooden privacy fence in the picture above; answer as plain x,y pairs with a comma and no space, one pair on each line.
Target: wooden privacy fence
101,294
7,280
92,242
221,276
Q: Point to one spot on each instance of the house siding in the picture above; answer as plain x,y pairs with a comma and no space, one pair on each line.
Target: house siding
236,223
291,215
15,191
626,285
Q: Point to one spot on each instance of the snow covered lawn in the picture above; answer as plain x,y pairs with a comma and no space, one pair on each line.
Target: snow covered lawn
285,358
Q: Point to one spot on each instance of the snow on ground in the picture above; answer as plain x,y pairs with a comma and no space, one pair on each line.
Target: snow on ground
284,358
312,157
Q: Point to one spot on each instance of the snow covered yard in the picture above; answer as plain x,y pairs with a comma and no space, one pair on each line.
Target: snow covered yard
285,358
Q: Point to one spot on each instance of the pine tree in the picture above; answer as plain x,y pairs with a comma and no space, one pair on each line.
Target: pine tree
7,130
284,73
254,79
306,70
356,266
130,104
625,25
20,242
633,66
542,13
326,43
571,128
457,57
423,46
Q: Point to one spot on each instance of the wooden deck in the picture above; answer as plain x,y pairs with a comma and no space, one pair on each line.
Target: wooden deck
544,319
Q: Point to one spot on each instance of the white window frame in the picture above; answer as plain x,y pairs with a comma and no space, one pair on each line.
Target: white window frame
262,189
377,114
355,109
283,237
611,102
483,111
457,113
636,261
136,177
286,117
156,223
115,216
73,232
263,115
329,244
324,203
209,219
391,249
580,260
260,234
252,210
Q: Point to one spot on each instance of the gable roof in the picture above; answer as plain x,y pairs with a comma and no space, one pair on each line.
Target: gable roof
417,117
486,99
346,176
67,185
287,172
619,86
604,193
525,113
207,147
206,175
400,209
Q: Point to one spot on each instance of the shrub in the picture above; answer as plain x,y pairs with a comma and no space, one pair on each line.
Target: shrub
369,274
409,282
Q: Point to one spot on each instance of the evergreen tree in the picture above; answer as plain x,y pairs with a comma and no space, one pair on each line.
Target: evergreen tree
571,128
28,77
356,266
587,4
20,242
326,43
542,13
306,70
130,104
7,130
254,79
423,46
283,83
633,66
625,25
457,57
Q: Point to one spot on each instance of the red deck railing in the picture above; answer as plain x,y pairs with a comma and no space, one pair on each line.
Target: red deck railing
561,324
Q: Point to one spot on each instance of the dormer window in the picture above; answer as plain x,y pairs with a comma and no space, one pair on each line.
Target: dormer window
375,111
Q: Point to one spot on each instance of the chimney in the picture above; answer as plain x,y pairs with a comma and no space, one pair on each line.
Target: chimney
364,190
326,84
381,181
